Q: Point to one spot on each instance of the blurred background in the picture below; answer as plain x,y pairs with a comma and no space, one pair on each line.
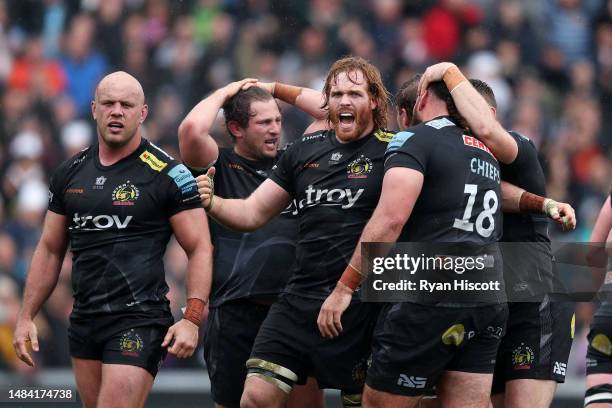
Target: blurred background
549,63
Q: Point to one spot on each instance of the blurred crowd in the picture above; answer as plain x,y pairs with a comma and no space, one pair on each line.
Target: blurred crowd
549,63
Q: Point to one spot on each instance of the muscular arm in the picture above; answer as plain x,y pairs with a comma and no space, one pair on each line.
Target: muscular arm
198,149
42,278
46,264
474,109
267,201
400,185
191,231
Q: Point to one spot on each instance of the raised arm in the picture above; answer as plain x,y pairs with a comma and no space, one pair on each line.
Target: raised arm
305,99
191,231
473,108
267,201
198,149
42,278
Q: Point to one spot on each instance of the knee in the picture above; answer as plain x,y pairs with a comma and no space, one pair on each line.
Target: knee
253,398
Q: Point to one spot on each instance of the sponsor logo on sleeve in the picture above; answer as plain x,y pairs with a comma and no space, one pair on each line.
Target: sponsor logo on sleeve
152,161
398,140
183,179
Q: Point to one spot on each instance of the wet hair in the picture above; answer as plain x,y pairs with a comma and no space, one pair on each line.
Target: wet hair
485,90
407,94
375,85
238,107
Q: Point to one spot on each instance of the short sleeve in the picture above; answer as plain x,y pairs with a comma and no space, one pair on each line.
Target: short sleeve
526,150
183,191
408,149
56,190
283,172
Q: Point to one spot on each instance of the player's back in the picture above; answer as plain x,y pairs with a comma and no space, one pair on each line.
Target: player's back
460,198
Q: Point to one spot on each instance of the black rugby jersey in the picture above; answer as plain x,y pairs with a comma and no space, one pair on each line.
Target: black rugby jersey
528,270
118,219
459,201
525,172
251,264
336,187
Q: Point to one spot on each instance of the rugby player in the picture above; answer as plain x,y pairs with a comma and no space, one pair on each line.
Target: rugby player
421,345
335,178
533,354
249,269
117,203
599,352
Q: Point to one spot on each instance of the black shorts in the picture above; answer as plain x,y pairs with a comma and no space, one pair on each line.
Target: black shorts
290,338
228,340
414,344
133,339
537,343
599,352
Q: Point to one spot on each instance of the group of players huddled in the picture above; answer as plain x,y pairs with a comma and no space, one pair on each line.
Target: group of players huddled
281,269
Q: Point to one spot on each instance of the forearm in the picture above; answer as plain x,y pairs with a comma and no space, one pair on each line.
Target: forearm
375,231
511,197
196,145
305,99
479,117
42,278
198,280
235,214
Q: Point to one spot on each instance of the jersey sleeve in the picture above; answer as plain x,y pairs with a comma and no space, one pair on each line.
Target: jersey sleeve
408,149
56,191
526,150
182,193
283,172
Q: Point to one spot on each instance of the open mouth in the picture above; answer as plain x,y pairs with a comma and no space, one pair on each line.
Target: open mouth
346,119
115,125
271,142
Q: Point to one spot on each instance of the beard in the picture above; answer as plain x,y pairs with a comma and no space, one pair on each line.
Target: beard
362,120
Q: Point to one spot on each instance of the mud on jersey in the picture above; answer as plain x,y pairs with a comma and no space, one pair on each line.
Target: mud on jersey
336,187
251,264
118,218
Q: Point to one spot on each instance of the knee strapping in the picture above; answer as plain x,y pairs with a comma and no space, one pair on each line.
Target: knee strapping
598,394
272,373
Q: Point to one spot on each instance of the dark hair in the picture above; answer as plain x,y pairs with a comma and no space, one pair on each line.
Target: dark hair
439,89
238,107
376,88
485,90
407,94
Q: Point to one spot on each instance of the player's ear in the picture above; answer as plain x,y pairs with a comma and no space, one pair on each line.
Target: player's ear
373,103
143,113
235,129
494,111
93,109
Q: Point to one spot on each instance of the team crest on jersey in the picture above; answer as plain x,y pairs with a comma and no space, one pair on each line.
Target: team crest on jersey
153,161
125,194
360,167
131,343
522,357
